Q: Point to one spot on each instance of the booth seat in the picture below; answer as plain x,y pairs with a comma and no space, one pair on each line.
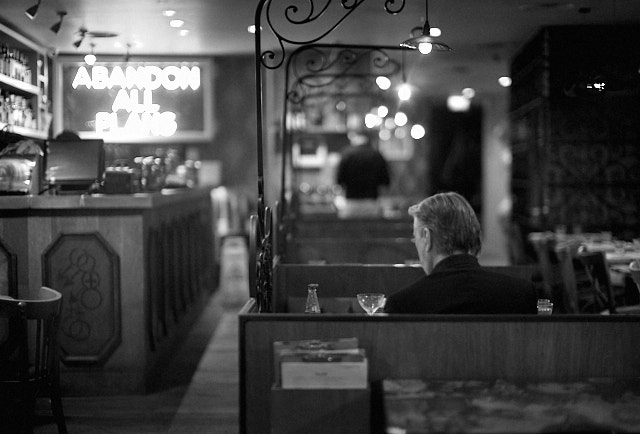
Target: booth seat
511,348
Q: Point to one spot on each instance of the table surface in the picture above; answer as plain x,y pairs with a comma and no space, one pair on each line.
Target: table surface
595,405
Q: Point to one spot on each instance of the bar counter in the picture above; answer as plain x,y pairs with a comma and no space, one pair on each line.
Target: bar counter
135,271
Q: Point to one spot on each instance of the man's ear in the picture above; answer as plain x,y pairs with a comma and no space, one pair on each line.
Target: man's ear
428,243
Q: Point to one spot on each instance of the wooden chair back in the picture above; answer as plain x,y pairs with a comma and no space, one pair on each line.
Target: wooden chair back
29,353
543,246
565,255
595,265
634,269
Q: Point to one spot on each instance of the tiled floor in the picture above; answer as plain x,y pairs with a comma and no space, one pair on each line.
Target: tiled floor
198,392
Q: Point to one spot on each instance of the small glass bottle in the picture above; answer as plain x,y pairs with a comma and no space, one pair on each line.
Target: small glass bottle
545,306
313,306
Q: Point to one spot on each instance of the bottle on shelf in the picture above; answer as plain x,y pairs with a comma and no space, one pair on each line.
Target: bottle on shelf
14,64
313,305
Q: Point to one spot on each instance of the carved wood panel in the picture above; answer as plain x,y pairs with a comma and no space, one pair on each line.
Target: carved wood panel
86,270
8,271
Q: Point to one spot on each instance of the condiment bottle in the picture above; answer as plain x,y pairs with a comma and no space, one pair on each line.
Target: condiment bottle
313,305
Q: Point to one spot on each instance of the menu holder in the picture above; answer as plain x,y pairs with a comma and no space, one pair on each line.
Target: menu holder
324,371
310,346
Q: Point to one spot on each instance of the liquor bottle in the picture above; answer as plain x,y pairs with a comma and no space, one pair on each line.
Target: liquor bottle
313,305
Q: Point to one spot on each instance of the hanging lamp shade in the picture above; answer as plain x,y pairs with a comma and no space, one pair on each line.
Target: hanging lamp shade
33,10
56,27
425,37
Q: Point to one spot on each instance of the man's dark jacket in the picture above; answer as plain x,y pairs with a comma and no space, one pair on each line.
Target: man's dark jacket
458,284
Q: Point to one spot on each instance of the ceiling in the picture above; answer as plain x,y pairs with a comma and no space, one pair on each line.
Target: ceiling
484,34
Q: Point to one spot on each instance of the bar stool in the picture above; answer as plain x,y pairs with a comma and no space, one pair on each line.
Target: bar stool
29,356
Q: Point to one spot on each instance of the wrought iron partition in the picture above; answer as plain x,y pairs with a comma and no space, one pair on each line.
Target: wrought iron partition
286,22
339,80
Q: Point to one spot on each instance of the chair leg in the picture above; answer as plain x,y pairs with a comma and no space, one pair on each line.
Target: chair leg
56,407
28,410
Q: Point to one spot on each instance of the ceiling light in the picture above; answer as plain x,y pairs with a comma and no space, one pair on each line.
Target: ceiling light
383,82
425,47
56,27
404,92
169,13
504,81
458,103
425,43
389,123
384,135
33,10
417,131
82,32
90,59
468,92
184,32
400,133
176,23
371,120
383,111
400,119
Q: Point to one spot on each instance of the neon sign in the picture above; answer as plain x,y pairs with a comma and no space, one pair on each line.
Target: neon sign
128,107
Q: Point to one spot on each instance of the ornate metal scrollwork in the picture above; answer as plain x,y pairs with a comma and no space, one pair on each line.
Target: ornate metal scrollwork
337,70
264,261
285,23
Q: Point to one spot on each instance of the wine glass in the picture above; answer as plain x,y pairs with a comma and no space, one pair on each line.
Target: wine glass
634,269
371,301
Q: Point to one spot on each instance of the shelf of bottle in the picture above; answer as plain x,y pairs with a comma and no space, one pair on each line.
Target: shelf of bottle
321,130
17,86
28,133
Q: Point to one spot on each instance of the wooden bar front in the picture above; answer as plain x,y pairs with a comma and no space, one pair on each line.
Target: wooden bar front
134,271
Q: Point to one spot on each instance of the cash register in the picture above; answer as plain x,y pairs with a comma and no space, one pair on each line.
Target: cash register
74,166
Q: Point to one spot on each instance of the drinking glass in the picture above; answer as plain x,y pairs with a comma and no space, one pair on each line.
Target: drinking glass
371,301
545,306
634,269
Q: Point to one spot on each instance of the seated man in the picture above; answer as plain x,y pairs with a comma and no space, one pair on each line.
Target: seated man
446,233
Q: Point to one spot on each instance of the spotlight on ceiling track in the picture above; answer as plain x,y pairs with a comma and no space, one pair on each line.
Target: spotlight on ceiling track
33,10
56,27
90,58
424,42
82,32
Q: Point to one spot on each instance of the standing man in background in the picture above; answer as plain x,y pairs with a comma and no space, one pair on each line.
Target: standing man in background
361,172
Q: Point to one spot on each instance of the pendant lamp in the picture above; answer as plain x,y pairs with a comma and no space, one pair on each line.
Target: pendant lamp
424,42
